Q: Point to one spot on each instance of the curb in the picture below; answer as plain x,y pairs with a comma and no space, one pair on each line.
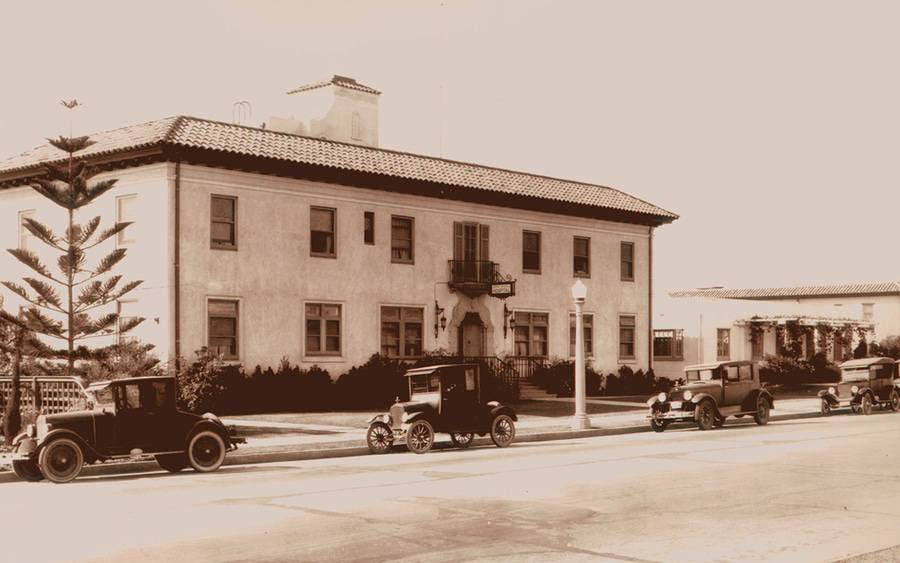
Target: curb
252,457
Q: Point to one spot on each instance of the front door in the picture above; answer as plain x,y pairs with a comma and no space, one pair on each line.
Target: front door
471,338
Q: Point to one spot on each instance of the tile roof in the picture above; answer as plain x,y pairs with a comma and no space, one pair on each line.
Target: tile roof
886,288
336,80
255,142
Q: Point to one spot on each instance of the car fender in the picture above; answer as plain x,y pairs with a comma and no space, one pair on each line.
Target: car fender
701,396
750,401
208,424
380,418
502,409
826,396
90,454
421,415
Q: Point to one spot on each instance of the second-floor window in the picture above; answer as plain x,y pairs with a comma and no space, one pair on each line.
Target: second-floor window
627,261
582,256
401,332
223,227
369,227
125,310
668,344
125,213
626,337
531,334
223,327
322,232
531,252
588,320
868,312
402,234
723,343
323,329
25,236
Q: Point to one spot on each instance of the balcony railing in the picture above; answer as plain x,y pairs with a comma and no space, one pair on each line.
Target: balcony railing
473,273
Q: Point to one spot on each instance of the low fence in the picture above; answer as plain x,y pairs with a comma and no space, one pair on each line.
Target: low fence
48,395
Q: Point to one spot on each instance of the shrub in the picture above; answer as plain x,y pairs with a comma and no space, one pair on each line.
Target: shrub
559,378
376,383
796,371
201,383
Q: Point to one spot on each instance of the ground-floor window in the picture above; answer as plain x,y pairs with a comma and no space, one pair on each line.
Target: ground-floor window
531,333
401,331
588,334
627,325
668,344
323,329
723,343
223,327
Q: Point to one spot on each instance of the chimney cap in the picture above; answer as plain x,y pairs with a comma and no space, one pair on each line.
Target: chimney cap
336,80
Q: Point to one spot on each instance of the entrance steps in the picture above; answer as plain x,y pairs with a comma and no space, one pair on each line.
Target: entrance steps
530,392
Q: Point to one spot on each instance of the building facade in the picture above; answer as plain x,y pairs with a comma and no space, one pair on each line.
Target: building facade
263,244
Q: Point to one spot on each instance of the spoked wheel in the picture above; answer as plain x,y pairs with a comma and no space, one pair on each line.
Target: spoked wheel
865,405
172,463
826,407
462,439
706,415
420,437
762,411
27,470
379,438
206,451
503,431
895,400
61,460
659,425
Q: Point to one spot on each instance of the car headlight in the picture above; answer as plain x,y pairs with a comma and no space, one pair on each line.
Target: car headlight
650,401
386,419
688,395
832,390
661,397
854,389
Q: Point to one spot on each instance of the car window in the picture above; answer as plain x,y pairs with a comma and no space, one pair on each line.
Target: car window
104,398
434,382
132,396
419,384
746,372
855,375
160,397
470,379
731,373
701,375
882,371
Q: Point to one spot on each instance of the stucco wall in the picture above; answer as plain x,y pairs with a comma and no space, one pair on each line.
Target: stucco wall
272,274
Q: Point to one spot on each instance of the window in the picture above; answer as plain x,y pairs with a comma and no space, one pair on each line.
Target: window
868,312
223,328
125,310
323,329
402,240
125,213
369,227
627,256
321,232
723,343
588,335
401,331
746,372
582,257
531,334
668,344
223,229
731,374
354,126
626,337
531,252
25,236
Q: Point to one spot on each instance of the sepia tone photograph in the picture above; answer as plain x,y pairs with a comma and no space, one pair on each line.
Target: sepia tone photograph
450,281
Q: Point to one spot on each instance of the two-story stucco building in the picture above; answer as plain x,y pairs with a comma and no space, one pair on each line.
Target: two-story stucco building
302,239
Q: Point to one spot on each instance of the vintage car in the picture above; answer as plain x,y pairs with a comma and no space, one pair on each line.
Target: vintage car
443,398
864,383
711,393
129,418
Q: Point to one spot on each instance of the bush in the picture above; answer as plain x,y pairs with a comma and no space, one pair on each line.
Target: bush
629,382
783,370
559,378
375,384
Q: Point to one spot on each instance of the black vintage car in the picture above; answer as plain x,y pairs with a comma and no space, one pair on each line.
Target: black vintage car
864,383
129,418
444,398
711,393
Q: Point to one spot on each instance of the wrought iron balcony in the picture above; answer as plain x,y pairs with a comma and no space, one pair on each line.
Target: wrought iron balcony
474,277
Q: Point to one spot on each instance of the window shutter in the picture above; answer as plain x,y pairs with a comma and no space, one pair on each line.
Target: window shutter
457,241
484,242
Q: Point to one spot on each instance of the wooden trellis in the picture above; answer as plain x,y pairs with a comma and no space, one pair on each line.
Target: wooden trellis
57,394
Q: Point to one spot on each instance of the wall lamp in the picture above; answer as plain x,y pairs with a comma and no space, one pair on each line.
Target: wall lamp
439,319
509,319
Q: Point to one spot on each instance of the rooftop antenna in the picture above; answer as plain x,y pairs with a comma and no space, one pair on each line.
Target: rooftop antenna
241,112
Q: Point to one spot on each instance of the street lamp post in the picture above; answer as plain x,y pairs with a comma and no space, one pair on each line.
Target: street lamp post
581,420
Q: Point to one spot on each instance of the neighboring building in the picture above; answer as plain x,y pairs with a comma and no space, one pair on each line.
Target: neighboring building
704,325
323,249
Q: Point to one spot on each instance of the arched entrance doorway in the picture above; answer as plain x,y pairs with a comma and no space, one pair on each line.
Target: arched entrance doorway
471,335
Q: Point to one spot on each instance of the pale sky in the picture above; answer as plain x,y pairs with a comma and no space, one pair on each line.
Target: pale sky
771,127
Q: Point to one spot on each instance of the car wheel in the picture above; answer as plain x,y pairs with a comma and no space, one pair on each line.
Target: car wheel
706,415
895,400
854,408
462,439
503,431
206,451
719,422
27,470
420,436
659,425
865,405
61,460
172,462
379,438
826,407
762,411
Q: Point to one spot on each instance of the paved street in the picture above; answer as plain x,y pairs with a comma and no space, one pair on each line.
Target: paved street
799,490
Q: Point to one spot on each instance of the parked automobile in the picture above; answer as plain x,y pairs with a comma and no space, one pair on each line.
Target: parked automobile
711,393
442,398
129,417
864,383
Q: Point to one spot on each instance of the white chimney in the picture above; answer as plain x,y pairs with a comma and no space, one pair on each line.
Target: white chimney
338,109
